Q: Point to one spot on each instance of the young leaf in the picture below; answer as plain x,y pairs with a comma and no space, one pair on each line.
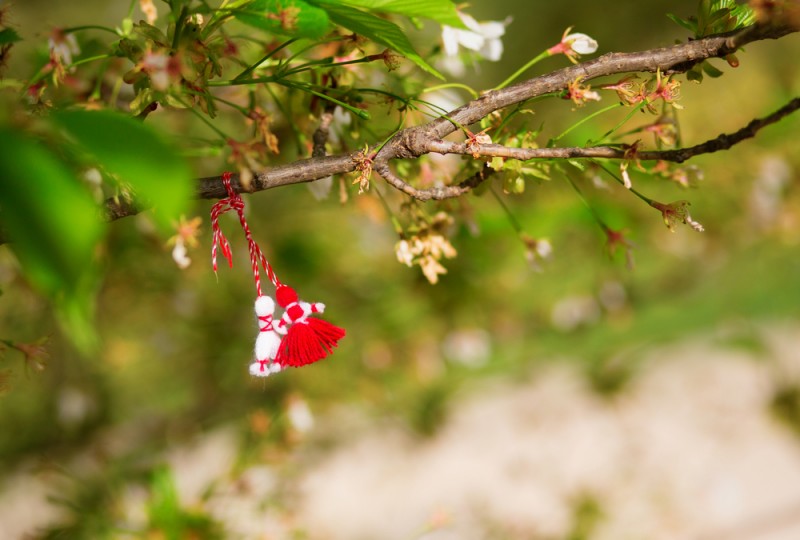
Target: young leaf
711,71
54,227
135,154
376,29
695,74
689,25
295,18
441,11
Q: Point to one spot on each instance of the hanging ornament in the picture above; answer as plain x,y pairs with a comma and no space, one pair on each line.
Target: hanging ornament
308,338
297,338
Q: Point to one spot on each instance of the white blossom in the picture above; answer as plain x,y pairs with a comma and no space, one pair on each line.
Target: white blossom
581,43
179,254
480,37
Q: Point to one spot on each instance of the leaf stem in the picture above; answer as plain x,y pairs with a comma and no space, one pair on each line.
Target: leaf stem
605,136
542,55
72,29
202,118
364,115
582,121
263,59
469,89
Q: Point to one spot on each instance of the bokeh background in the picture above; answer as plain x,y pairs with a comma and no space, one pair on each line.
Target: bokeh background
582,401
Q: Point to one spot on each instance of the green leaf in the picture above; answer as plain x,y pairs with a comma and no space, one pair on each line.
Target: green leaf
137,155
7,35
441,11
687,24
580,165
54,227
513,184
695,75
743,15
295,18
711,71
376,29
717,16
535,172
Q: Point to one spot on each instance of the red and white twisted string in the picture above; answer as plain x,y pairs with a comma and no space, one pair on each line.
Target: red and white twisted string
235,202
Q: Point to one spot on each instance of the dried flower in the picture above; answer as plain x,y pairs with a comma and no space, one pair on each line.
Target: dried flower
390,59
427,247
667,89
475,140
364,164
677,212
260,119
580,94
186,237
573,45
244,155
629,89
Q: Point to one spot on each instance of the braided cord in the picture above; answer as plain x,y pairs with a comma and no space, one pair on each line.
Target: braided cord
235,202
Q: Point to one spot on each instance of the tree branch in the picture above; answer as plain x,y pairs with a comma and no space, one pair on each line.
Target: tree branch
419,140
721,142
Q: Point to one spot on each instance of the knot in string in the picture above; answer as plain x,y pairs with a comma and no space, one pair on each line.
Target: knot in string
235,202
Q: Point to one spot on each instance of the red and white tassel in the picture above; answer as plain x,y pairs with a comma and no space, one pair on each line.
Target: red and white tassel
308,339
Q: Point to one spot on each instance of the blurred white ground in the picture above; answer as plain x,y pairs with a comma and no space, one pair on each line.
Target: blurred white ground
688,451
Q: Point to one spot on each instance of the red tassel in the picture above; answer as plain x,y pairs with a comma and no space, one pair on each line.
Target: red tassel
307,342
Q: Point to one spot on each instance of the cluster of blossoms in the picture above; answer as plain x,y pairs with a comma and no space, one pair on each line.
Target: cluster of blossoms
427,247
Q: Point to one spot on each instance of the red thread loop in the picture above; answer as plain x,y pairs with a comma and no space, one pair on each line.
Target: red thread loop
235,202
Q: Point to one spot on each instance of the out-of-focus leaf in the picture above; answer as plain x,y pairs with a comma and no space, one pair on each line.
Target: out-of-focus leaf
135,154
441,11
695,75
295,18
711,71
376,29
54,227
7,35
742,15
